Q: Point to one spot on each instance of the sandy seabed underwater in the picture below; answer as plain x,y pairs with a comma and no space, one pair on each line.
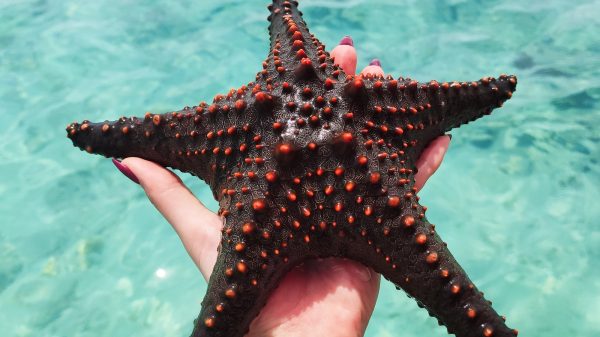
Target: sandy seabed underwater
83,253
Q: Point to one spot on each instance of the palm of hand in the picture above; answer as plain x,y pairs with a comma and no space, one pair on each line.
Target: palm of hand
329,297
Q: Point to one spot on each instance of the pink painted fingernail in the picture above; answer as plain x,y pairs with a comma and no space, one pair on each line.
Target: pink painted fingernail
126,171
347,41
375,62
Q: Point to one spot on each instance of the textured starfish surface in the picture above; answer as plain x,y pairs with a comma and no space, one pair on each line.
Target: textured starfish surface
309,162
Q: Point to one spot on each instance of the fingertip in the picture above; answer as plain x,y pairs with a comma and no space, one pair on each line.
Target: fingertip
149,173
374,68
141,166
344,55
136,163
443,141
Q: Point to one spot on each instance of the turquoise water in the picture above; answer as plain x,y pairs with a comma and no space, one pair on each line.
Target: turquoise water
83,253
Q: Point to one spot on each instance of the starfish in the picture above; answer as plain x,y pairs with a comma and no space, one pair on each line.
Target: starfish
309,162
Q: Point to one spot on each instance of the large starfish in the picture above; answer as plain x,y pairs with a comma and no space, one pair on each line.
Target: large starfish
310,162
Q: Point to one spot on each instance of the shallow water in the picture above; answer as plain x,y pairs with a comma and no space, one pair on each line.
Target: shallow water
83,253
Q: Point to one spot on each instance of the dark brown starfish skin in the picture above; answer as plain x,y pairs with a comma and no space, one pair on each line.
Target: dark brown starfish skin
310,162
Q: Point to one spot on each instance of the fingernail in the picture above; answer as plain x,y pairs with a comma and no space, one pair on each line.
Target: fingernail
375,62
347,41
126,171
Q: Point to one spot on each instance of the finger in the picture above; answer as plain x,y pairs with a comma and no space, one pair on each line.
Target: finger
198,228
345,55
430,160
374,68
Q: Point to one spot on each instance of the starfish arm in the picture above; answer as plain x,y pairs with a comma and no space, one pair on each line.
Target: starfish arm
410,114
457,103
239,285
205,140
295,55
168,139
257,249
417,260
391,234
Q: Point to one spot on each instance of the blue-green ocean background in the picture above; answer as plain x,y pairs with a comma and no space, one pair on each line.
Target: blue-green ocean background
83,253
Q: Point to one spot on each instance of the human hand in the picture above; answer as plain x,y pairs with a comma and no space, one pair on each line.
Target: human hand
326,297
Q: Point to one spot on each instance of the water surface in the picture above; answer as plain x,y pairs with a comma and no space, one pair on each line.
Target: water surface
83,253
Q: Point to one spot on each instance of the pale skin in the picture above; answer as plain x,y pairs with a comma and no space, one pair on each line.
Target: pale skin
329,297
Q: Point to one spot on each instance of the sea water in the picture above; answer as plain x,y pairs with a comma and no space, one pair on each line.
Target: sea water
83,253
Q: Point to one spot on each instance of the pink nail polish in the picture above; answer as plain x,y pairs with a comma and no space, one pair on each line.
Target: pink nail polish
375,62
126,171
347,41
